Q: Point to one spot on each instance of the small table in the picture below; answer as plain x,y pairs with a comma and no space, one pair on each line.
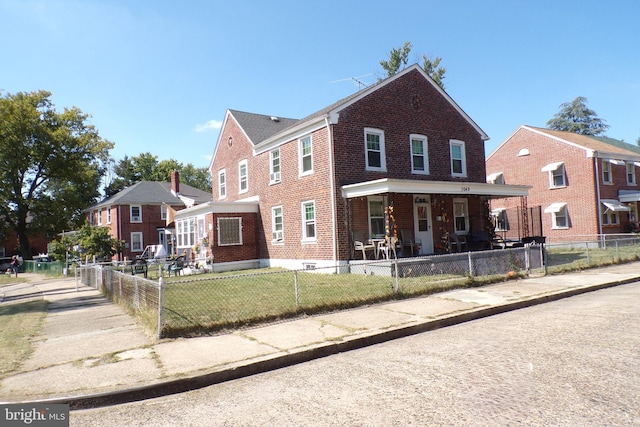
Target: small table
377,243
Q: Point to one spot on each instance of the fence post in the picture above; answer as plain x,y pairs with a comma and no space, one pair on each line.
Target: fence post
617,250
395,273
295,286
470,264
588,255
160,305
76,274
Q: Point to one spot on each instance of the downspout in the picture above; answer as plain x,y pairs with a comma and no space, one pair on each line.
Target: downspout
120,229
595,159
333,191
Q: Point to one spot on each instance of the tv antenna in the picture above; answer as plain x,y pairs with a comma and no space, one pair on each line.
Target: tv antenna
357,80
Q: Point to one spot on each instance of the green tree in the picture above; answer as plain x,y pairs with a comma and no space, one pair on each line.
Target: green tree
89,241
399,57
51,165
145,167
576,117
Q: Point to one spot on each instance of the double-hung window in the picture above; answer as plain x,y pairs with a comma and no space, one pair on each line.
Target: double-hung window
222,184
277,225
458,158
559,215
607,177
309,221
136,242
557,178
631,173
274,166
419,154
305,154
461,216
100,217
109,215
136,213
243,176
375,158
376,216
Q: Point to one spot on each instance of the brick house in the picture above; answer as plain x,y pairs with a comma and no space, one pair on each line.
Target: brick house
580,185
141,214
399,155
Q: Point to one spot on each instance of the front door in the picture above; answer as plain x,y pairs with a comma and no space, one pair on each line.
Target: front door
422,223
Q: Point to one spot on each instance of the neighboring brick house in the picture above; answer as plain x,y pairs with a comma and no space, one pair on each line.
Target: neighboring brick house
141,214
399,154
581,185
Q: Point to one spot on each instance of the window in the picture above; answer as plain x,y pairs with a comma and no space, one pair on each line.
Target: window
185,230
277,225
163,212
556,174
607,178
92,219
274,168
305,156
229,231
222,184
108,215
419,154
136,213
136,242
458,161
309,221
243,177
631,173
460,216
500,219
376,217
375,159
559,216
100,217
609,218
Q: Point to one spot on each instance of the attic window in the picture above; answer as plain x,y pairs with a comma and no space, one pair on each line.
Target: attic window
523,152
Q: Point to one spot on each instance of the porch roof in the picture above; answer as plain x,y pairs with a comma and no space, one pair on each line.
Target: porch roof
387,185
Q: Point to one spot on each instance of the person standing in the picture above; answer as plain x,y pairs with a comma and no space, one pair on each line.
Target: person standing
15,265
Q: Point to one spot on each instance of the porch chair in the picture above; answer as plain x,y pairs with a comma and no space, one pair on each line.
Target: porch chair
360,244
406,236
177,266
459,242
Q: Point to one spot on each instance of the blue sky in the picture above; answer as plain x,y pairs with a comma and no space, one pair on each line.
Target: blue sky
158,76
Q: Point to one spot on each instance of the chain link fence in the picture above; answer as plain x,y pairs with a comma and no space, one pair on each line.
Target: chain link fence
209,303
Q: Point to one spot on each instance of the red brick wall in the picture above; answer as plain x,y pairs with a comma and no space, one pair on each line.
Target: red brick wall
579,194
249,248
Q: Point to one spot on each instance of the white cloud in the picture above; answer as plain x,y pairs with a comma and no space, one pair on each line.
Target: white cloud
210,125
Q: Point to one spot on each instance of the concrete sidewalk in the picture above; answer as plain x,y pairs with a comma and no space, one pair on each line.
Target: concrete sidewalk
91,353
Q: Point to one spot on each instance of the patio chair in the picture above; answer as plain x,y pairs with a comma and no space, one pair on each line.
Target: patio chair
457,242
408,241
359,244
176,266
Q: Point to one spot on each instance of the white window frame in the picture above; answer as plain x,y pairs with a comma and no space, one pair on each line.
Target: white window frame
465,214
132,217
376,200
277,224
222,184
140,235
100,217
163,212
243,178
383,158
222,234
301,155
501,220
92,219
425,153
306,222
607,175
108,215
630,173
275,167
610,218
185,233
463,157
561,213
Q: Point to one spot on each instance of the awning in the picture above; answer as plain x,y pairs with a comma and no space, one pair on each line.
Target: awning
555,207
616,162
416,186
615,206
551,167
629,196
496,178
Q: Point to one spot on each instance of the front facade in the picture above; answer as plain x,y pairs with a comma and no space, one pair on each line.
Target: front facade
399,156
141,215
582,185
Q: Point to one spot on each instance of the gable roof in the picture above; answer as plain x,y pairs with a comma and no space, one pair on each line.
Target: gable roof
155,193
595,146
262,131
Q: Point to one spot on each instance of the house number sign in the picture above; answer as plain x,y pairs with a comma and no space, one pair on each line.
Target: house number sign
465,189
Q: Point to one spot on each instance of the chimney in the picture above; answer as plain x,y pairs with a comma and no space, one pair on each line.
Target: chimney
175,182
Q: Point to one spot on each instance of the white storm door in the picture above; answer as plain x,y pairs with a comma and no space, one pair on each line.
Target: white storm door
422,223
